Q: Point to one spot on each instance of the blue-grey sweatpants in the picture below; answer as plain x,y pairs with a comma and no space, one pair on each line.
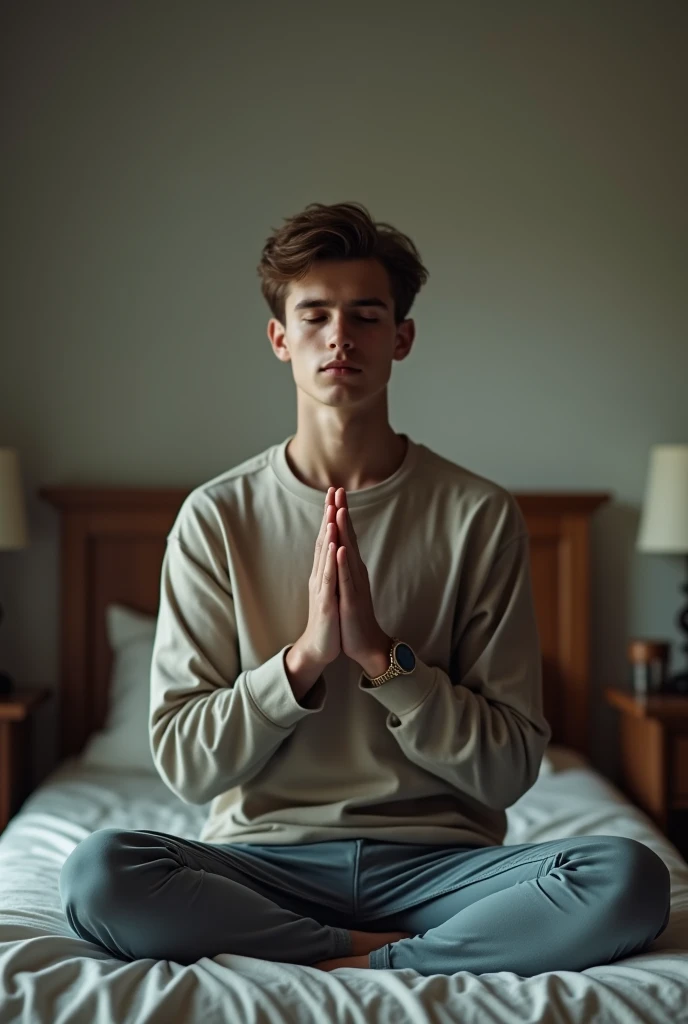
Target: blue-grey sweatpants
567,904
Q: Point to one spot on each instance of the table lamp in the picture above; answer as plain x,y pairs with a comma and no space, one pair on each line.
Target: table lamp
13,529
664,522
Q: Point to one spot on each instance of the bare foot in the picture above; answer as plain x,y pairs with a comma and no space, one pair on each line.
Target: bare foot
362,943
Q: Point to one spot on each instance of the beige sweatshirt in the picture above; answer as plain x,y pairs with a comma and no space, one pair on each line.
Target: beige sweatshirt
434,757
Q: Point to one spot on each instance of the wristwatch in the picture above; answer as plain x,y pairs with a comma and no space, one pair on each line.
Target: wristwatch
402,662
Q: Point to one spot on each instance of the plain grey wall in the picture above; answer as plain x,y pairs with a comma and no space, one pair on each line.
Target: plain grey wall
536,153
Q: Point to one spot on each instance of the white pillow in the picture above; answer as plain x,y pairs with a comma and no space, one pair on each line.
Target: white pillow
123,741
561,759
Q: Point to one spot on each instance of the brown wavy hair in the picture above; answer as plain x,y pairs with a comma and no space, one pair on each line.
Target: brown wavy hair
342,231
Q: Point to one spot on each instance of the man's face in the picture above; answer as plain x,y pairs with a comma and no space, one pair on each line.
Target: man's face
341,310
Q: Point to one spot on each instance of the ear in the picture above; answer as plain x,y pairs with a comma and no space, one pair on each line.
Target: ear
276,333
406,332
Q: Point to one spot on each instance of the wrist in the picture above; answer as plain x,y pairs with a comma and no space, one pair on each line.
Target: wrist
302,670
378,661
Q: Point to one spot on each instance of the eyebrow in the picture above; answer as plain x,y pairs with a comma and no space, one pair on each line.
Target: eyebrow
311,303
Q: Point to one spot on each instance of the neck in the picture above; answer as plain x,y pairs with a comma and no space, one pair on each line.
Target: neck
350,458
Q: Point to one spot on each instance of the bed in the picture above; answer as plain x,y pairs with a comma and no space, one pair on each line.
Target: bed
112,544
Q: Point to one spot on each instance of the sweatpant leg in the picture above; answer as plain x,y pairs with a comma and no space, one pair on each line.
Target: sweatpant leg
562,905
141,894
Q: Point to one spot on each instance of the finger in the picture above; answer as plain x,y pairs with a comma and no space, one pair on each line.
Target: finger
344,517
327,539
346,583
345,531
329,535
326,517
352,533
329,572
319,541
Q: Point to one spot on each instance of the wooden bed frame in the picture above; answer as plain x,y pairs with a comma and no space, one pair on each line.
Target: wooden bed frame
112,546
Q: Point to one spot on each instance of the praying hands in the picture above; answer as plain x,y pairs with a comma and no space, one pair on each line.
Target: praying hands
362,638
341,616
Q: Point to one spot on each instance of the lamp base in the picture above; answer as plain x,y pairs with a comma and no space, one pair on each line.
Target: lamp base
6,683
677,684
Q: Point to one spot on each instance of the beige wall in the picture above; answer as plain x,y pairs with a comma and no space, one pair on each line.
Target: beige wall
536,153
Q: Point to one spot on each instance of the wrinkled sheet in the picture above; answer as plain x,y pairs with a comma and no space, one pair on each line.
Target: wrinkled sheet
48,974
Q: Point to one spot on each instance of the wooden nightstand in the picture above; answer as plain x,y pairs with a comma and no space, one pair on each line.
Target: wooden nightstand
15,747
654,758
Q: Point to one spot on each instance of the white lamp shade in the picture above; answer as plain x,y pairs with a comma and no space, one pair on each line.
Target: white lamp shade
13,529
664,520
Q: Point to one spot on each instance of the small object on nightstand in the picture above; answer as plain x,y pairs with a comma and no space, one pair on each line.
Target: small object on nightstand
649,663
653,733
15,748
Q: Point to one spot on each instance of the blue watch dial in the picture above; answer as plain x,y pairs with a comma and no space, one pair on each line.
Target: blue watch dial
405,657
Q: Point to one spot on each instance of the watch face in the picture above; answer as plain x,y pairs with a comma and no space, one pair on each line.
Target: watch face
405,657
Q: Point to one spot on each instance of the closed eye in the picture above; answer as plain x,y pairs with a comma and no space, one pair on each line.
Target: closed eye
365,319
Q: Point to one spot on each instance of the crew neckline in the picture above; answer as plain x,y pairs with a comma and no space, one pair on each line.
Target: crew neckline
355,499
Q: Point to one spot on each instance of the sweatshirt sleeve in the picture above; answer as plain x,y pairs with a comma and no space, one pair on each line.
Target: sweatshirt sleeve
211,725
481,727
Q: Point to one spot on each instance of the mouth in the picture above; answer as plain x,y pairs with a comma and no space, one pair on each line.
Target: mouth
340,371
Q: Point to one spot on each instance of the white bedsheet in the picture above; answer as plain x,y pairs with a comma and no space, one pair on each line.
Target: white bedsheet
48,974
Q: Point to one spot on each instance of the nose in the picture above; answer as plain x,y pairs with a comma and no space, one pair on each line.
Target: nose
338,333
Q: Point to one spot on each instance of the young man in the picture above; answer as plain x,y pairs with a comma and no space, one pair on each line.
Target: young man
362,710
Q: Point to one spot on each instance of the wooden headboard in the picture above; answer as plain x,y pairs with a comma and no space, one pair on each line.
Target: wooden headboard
112,547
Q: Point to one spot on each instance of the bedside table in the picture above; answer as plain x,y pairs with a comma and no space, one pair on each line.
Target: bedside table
654,758
15,747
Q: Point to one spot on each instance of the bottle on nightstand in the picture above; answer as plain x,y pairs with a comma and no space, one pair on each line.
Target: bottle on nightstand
649,661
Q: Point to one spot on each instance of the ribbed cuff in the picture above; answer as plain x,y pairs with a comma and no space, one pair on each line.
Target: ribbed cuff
379,959
403,693
271,692
343,944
